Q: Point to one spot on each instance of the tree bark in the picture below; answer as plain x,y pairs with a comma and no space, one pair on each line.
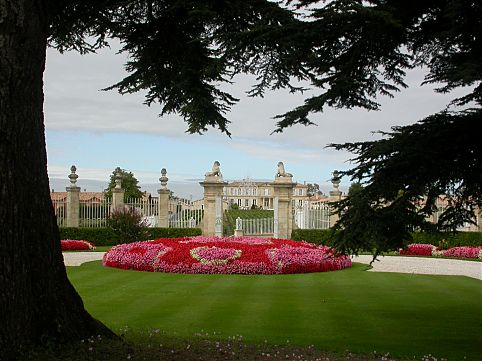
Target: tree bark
37,301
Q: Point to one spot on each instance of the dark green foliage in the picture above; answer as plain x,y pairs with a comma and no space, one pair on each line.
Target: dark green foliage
404,174
316,236
107,237
129,185
354,188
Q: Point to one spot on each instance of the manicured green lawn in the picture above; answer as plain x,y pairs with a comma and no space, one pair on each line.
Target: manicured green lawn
406,315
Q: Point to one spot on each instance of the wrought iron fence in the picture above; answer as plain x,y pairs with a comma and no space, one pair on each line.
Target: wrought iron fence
184,213
312,215
93,213
60,209
256,226
147,207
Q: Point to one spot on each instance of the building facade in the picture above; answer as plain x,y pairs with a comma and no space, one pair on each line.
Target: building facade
250,194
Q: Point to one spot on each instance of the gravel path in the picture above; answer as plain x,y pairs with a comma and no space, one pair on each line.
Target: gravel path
77,258
422,265
419,265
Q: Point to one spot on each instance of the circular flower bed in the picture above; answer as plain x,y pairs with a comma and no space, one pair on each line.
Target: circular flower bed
76,245
228,255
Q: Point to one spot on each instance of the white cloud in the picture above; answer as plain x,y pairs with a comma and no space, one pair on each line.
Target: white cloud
74,102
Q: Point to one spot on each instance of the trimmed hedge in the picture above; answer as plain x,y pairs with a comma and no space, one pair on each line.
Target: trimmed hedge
107,237
459,239
316,236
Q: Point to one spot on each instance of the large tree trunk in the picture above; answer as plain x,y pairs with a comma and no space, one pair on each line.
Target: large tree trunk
37,301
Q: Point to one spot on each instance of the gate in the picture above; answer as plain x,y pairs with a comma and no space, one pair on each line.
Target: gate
312,215
185,213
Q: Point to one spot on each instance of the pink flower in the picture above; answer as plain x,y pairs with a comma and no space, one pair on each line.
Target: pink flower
464,252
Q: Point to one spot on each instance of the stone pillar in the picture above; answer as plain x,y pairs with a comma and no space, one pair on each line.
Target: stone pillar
73,199
335,196
276,217
163,200
118,192
213,205
283,190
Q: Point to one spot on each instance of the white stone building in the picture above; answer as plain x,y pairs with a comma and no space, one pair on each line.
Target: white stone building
248,193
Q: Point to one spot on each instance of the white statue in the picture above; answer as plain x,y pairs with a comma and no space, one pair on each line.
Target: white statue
282,172
216,172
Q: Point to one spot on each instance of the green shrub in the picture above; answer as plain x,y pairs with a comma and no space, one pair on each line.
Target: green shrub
106,237
128,224
317,236
155,233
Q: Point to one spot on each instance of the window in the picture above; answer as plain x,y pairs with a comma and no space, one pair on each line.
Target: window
239,202
266,192
254,202
246,202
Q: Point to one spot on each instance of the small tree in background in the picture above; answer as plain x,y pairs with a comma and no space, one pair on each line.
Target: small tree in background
128,224
129,184
314,189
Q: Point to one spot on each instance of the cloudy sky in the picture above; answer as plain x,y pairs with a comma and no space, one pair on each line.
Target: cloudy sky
98,131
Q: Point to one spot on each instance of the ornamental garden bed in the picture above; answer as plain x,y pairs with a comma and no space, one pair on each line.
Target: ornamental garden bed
76,245
421,249
228,255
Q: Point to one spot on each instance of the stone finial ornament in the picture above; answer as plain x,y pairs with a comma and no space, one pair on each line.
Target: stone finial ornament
163,178
72,176
281,171
216,171
118,178
336,179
